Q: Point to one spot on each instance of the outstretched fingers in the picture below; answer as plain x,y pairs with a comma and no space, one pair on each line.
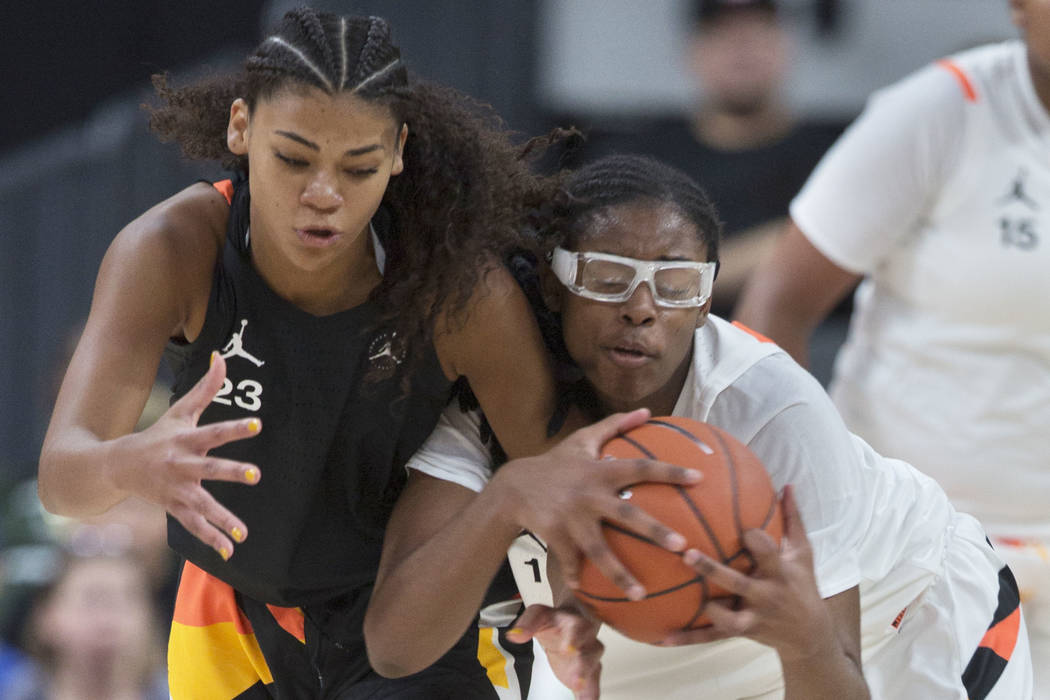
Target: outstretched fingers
193,403
210,522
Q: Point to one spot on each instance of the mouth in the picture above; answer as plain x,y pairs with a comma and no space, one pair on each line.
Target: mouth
317,237
628,355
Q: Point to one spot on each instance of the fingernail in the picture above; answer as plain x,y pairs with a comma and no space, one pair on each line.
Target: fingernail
691,556
251,475
635,592
693,475
515,630
237,534
211,361
676,541
224,553
570,649
254,425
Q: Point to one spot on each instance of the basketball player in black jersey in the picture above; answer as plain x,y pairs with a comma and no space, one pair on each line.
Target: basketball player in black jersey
321,304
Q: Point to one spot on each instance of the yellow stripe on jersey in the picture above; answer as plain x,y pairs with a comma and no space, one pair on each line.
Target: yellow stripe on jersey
214,661
491,657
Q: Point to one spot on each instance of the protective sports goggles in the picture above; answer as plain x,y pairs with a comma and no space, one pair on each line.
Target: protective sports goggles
613,278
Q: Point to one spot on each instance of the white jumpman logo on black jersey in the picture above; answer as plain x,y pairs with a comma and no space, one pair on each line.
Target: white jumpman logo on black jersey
236,347
386,350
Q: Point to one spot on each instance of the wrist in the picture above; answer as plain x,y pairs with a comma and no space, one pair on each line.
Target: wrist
504,500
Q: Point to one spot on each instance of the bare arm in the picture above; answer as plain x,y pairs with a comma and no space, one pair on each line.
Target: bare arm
152,285
738,257
791,291
444,543
497,346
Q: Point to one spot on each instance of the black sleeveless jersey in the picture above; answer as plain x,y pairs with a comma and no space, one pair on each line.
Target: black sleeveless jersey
339,422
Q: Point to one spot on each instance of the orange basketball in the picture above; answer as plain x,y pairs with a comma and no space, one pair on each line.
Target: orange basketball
735,495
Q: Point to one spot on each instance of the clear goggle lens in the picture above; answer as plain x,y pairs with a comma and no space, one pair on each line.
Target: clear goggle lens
613,278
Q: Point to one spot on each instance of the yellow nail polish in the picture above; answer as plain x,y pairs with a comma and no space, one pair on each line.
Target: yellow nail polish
516,630
224,553
211,361
254,425
237,534
570,649
251,476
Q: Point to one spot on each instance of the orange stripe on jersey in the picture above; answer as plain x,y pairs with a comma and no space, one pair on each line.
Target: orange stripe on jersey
204,600
754,334
964,80
291,621
226,188
1002,637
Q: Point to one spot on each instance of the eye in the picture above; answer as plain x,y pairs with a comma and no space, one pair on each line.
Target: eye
290,162
361,172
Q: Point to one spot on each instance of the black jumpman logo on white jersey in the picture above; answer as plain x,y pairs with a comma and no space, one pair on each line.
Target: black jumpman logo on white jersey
1017,191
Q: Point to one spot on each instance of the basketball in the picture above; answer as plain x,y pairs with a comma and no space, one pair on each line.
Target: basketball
735,495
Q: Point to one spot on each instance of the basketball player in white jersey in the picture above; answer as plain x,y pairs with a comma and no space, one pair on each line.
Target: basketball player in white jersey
891,580
938,199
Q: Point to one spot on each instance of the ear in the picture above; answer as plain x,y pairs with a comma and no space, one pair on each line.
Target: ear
701,318
237,129
551,288
399,150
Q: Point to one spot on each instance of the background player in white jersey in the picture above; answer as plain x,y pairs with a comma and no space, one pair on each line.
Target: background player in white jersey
938,198
888,566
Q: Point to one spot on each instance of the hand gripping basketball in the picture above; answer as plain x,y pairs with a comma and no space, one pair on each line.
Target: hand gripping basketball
734,497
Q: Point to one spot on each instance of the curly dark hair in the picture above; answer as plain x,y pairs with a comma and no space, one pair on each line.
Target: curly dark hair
458,204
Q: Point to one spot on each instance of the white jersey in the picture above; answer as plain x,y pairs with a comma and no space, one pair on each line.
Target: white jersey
940,195
872,521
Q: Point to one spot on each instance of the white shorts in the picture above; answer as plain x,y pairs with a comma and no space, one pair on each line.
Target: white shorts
1029,559
964,637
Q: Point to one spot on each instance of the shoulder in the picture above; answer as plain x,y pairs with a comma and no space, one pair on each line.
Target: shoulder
188,224
171,249
950,84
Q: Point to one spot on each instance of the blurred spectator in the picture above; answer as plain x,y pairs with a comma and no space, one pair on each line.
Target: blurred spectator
743,143
94,634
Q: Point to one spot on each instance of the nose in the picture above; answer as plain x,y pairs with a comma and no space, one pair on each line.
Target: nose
640,309
322,192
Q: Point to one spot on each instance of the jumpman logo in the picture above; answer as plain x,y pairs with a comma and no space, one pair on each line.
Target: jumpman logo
1017,191
385,350
236,347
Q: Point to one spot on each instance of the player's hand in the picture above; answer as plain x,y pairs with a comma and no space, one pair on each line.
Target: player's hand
780,605
166,463
570,639
563,495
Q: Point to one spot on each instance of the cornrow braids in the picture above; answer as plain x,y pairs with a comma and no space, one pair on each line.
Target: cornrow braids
620,179
308,49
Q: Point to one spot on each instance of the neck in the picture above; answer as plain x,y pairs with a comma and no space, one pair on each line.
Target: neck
327,290
730,131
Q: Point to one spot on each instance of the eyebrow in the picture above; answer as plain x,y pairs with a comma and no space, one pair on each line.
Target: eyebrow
310,144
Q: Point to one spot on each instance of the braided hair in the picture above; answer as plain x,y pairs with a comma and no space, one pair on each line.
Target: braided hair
620,179
458,204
